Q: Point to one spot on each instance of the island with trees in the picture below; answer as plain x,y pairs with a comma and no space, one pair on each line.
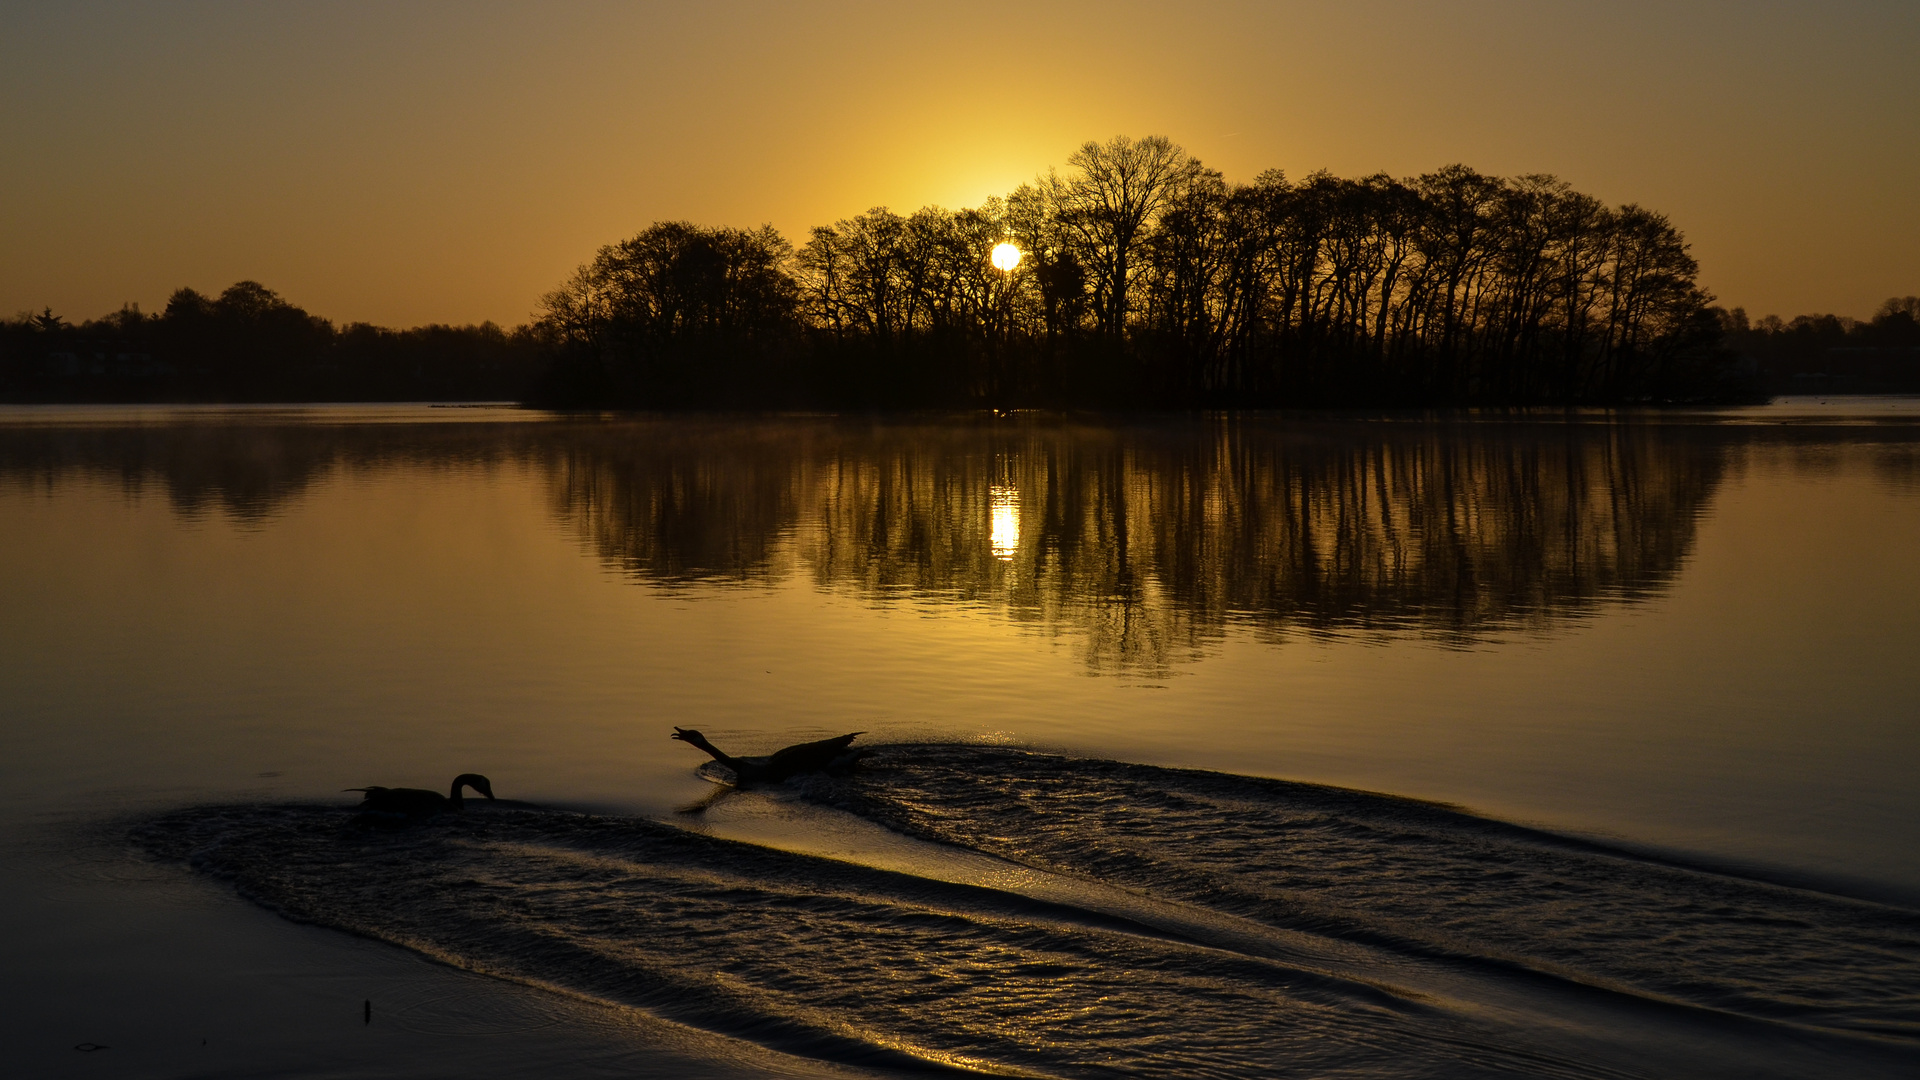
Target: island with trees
1135,278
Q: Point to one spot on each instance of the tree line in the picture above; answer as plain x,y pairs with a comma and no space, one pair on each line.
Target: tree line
1830,353
1146,279
248,343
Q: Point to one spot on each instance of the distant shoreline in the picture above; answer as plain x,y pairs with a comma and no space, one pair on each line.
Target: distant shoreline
1137,280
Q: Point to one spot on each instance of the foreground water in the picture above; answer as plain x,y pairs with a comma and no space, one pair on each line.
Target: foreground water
1659,666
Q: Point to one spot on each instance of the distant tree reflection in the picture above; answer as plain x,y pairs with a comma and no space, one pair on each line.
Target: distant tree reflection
678,501
1145,542
1141,542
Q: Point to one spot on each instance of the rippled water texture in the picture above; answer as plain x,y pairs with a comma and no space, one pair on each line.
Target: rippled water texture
1301,930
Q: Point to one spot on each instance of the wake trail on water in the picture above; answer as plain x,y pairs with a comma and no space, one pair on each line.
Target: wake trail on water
1167,923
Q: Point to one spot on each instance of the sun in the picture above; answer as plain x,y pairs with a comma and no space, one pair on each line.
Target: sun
1006,256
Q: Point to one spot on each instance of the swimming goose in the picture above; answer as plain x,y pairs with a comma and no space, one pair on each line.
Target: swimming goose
800,758
417,802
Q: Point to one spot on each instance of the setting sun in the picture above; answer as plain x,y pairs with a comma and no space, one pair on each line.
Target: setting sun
1006,257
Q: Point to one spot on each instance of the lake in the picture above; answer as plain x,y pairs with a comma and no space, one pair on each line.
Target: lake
1444,744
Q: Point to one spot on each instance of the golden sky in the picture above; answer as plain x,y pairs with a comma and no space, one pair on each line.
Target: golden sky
405,163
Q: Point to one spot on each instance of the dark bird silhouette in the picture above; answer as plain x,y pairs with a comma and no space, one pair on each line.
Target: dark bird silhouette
823,756
418,802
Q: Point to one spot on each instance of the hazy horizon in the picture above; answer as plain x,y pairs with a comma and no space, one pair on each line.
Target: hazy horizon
438,163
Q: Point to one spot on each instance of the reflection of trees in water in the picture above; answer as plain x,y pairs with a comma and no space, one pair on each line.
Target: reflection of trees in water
1898,466
1144,541
1140,541
1894,463
198,468
1454,530
249,467
1150,540
677,501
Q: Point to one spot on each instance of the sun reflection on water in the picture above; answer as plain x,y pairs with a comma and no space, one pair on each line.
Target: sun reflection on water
1005,500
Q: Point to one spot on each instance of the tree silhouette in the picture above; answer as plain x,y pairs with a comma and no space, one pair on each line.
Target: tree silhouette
677,315
1107,209
1147,281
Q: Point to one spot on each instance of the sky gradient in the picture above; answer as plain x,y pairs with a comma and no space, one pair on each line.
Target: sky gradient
406,163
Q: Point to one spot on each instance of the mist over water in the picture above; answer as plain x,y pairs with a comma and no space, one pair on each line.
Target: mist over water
1658,663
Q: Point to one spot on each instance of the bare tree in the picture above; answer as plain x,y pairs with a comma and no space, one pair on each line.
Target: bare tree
1120,190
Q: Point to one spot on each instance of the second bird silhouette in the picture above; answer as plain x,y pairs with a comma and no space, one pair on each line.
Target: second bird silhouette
823,756
418,802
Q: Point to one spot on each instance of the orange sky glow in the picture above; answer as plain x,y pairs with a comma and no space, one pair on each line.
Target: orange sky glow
439,162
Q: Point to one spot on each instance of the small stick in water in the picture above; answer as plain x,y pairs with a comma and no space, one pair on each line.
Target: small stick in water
366,1011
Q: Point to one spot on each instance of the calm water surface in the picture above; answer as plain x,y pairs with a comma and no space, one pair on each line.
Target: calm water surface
1662,667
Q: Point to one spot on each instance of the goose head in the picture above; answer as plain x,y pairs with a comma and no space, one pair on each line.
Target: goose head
475,781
